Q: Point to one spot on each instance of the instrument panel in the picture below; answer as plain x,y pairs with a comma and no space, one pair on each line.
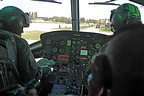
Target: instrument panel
72,51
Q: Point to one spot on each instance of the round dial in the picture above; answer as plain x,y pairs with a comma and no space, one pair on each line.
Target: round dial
48,41
97,45
62,42
54,49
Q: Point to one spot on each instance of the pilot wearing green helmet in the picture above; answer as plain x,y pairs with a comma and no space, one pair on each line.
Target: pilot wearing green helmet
125,14
13,20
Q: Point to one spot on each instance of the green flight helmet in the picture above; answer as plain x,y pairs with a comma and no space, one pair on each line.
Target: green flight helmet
13,19
125,14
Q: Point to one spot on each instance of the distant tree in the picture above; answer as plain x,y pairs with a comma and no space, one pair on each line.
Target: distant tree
82,20
35,15
91,21
102,21
45,18
30,16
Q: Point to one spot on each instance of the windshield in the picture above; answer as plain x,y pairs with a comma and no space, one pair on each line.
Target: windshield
46,16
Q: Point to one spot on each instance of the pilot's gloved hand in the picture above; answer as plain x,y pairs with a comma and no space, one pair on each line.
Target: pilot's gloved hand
43,63
46,62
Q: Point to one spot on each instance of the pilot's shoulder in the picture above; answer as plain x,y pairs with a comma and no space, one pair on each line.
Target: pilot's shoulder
20,40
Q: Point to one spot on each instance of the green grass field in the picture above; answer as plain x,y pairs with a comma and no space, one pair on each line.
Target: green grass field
32,35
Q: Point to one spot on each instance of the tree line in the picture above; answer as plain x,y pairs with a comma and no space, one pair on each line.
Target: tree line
34,16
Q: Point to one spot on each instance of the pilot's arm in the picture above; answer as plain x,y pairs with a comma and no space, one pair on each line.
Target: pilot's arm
26,63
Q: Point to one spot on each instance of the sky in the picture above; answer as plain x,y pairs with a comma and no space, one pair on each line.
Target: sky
46,9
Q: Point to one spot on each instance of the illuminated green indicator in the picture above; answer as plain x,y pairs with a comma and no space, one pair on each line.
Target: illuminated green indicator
68,42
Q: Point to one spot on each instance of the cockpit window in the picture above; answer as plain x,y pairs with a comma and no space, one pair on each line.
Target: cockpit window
46,16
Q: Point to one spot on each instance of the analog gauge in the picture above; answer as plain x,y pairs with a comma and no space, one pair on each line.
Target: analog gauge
54,49
73,47
62,42
73,42
61,50
48,41
97,45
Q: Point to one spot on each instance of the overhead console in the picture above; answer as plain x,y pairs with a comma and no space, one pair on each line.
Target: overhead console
72,51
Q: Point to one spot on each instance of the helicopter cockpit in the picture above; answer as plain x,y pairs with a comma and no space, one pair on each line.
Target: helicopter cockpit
69,52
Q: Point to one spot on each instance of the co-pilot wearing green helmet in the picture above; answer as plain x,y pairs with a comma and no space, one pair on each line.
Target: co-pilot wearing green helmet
13,19
124,15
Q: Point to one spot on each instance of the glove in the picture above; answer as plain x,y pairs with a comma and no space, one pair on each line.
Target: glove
46,62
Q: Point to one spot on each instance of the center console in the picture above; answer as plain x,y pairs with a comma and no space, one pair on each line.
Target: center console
72,52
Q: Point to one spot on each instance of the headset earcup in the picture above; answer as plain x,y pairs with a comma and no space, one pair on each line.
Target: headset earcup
15,25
